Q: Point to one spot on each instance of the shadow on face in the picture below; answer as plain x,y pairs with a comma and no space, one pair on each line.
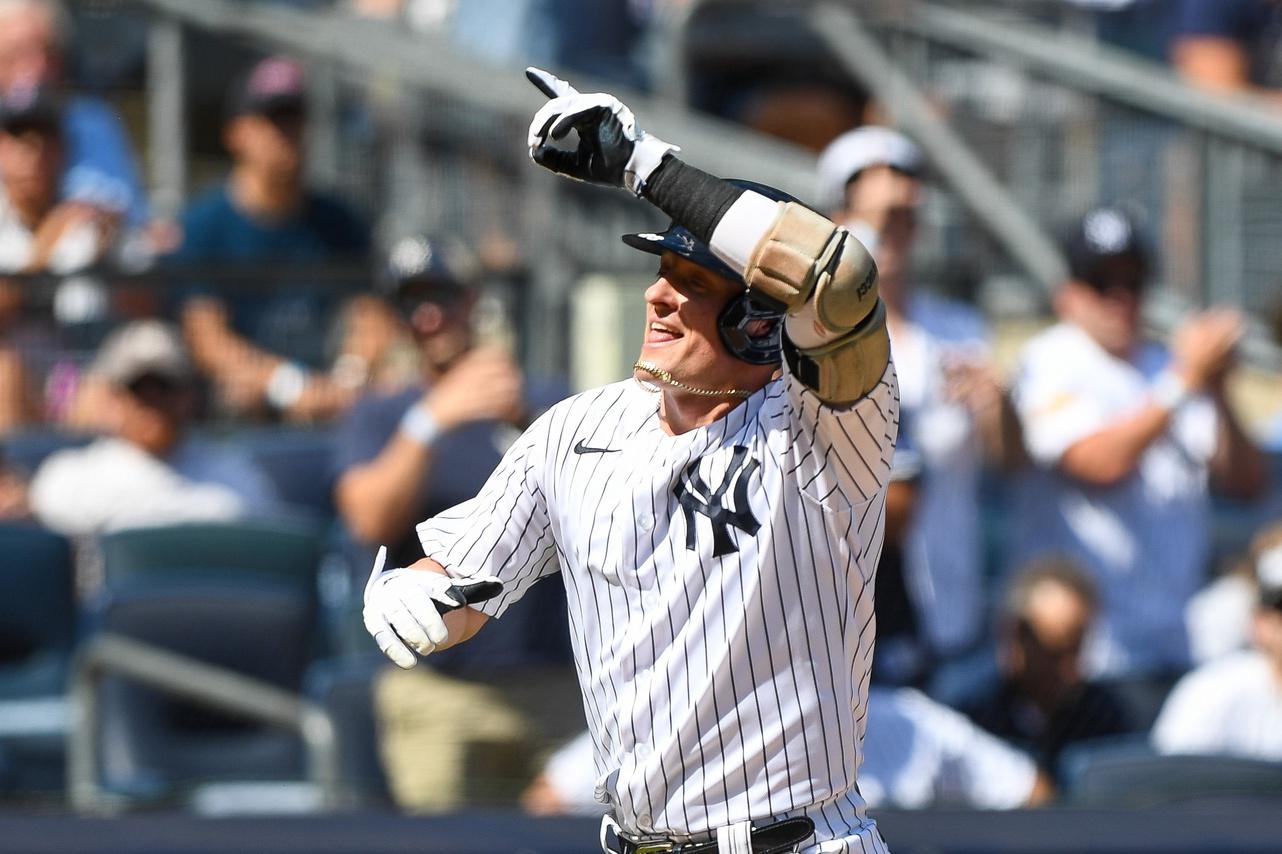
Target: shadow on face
439,315
31,159
887,201
270,144
153,412
1044,643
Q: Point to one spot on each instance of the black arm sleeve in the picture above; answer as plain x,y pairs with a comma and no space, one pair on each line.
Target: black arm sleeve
692,197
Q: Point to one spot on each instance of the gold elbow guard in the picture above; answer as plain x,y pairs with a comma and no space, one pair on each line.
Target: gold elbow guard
805,254
847,368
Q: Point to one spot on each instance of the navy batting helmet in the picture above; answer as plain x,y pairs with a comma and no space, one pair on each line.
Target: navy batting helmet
751,324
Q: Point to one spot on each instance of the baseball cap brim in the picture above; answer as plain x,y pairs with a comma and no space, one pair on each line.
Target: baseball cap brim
680,241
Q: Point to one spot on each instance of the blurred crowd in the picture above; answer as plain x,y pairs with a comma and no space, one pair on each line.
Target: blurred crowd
1051,577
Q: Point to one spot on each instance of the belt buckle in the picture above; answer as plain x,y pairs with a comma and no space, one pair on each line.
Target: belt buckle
653,847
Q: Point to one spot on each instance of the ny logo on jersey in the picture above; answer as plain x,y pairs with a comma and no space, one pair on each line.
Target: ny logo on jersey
695,497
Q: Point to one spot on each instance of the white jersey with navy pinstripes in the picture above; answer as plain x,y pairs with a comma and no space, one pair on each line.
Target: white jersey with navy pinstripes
720,585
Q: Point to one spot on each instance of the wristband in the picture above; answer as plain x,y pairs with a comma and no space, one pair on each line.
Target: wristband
1169,391
418,425
286,385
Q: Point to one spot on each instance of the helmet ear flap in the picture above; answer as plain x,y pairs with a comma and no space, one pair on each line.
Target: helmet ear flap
751,327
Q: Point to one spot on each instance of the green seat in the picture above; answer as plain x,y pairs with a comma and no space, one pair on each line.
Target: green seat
240,596
277,554
37,634
37,611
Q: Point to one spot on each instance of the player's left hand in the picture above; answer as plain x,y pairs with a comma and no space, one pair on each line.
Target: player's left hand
404,608
612,150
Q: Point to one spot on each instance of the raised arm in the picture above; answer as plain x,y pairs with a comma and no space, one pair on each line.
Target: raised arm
836,341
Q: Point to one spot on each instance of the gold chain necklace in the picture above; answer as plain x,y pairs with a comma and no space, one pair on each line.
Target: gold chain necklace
666,377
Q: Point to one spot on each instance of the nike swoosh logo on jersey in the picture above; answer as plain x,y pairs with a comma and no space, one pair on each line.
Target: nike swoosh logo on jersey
581,448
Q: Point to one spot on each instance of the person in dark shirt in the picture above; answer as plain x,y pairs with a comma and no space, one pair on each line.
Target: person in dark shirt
1230,45
405,456
263,347
1042,702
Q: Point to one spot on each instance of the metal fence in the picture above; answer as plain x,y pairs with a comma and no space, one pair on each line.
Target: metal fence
1066,121
430,138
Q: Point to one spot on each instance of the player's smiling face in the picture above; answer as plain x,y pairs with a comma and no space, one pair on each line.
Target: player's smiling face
682,307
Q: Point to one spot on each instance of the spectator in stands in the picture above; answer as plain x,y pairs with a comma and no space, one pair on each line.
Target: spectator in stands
1126,434
34,38
1229,45
264,215
918,753
956,411
903,651
13,493
41,230
599,38
1043,702
405,456
15,396
146,471
1233,705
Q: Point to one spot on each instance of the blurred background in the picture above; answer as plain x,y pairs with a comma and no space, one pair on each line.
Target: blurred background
246,244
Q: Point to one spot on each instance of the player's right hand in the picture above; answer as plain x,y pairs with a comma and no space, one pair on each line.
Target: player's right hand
612,150
404,608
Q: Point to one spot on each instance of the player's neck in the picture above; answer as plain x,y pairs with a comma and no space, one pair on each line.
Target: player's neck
681,412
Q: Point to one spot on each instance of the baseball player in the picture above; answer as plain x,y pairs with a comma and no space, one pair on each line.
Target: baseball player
716,519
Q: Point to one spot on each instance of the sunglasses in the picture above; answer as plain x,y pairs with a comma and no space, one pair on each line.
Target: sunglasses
154,387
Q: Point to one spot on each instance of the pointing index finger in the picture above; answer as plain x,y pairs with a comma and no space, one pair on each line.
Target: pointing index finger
548,83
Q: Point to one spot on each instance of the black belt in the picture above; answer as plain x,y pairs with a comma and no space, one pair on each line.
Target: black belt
776,838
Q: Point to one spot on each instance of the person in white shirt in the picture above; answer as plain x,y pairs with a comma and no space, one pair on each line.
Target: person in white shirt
1126,435
1233,705
39,230
918,754
956,413
145,472
921,753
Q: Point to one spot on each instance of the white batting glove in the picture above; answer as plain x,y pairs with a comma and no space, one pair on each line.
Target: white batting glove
612,151
404,607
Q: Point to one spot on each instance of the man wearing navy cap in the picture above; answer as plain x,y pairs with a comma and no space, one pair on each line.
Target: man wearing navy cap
1127,433
262,348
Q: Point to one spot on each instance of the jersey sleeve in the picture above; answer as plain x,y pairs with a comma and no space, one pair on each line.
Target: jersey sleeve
504,531
848,450
1054,408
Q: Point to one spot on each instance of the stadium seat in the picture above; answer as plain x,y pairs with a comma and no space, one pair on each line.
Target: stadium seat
239,596
298,462
25,451
1127,773
37,632
344,687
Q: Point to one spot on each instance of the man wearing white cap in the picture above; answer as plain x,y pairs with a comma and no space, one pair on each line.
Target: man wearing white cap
955,410
1233,705
145,472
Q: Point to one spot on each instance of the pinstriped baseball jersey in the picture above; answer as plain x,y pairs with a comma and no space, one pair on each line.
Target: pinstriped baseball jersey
720,585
